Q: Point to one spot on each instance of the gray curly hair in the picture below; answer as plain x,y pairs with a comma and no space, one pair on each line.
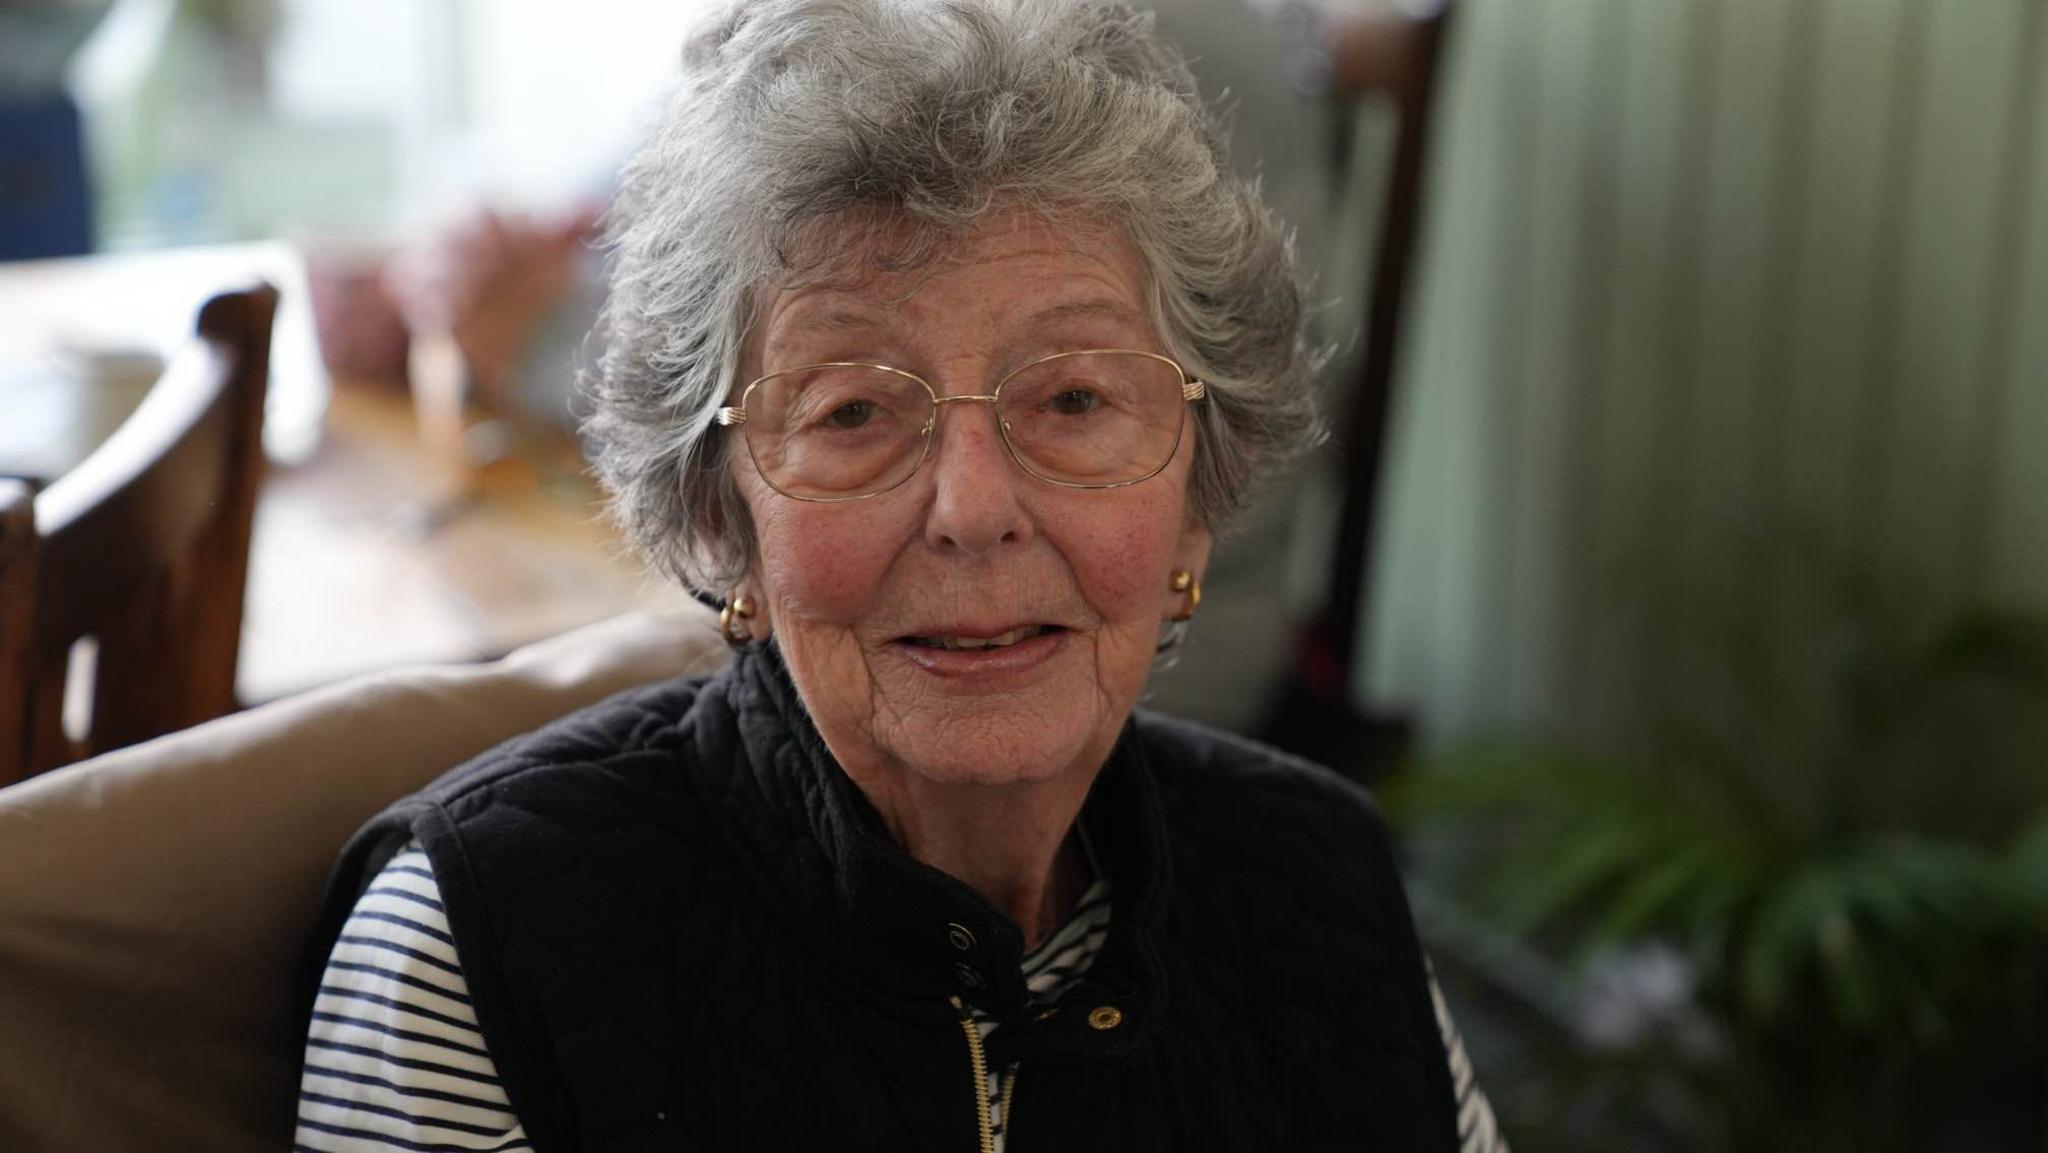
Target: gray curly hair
805,131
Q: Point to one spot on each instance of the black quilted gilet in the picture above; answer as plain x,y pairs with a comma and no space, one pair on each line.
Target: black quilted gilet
684,929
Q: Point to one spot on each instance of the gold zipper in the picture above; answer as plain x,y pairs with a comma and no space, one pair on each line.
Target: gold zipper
974,1059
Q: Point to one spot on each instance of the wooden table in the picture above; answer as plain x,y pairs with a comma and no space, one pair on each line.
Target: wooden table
360,559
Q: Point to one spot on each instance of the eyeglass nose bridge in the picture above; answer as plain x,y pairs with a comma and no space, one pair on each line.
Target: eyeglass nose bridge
989,398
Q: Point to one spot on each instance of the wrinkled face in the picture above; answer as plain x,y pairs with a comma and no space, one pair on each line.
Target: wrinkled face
862,595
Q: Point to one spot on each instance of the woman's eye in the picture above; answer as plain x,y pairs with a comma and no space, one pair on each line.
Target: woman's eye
852,414
1073,401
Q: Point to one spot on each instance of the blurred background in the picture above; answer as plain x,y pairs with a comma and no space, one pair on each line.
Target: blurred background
1678,570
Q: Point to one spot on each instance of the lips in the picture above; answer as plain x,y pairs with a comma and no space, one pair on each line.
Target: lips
965,641
981,658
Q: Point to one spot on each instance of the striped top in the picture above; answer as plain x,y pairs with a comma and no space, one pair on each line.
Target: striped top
395,1061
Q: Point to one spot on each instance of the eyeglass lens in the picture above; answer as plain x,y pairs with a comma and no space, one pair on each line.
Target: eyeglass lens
841,431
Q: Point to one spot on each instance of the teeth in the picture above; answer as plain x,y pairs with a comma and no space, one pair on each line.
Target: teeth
973,644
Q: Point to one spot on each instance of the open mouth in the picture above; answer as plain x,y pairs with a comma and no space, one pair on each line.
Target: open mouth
976,644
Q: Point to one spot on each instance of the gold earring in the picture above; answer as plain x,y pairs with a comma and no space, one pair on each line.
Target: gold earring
1187,583
732,620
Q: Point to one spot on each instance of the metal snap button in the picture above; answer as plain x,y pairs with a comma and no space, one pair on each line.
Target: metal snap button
968,976
958,934
1105,1017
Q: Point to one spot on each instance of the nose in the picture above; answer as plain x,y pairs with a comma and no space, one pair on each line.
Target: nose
976,502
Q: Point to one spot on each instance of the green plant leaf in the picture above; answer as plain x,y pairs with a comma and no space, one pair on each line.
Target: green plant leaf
2026,863
1643,901
1570,877
1783,939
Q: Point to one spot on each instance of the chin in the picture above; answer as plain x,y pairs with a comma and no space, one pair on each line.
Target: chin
994,751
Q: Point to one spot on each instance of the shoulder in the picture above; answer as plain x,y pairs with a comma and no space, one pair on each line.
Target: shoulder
1202,771
554,857
1278,830
1286,894
544,795
623,736
610,795
619,754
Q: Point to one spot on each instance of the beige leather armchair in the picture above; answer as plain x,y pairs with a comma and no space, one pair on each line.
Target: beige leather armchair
154,902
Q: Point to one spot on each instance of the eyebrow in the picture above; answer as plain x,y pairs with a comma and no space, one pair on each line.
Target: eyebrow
1098,308
839,320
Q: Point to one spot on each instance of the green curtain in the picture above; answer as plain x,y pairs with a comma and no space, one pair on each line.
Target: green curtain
1697,271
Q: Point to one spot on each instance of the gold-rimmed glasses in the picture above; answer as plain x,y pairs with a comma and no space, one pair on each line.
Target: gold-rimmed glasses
847,430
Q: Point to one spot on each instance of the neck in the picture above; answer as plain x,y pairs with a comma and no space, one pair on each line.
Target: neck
1010,843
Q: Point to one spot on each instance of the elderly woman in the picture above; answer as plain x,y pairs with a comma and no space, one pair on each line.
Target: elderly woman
940,340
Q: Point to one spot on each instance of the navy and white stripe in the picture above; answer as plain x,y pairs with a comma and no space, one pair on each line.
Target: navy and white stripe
1477,1130
395,1061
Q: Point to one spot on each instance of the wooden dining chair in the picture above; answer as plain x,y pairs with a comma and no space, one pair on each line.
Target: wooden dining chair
1393,56
139,557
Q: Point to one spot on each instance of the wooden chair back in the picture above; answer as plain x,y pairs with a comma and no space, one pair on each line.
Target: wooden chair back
142,551
1393,56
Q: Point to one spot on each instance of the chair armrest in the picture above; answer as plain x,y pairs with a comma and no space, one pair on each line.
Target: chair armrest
154,901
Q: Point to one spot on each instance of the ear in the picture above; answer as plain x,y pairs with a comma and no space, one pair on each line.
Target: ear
753,624
761,625
1190,554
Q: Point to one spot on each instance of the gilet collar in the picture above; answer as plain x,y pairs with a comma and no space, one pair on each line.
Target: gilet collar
913,938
